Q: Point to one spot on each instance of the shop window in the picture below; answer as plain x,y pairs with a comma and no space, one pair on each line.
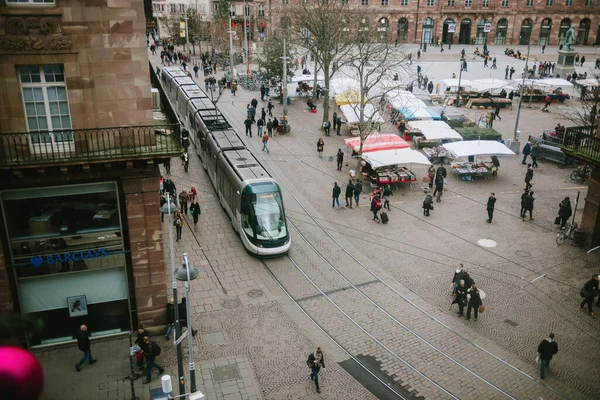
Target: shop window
529,3
451,3
67,243
485,3
549,3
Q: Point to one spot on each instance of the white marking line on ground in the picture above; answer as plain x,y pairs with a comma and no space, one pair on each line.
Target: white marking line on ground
539,277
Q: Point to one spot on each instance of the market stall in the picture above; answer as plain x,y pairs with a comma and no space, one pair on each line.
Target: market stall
431,133
351,113
347,97
537,89
376,142
385,167
476,169
341,85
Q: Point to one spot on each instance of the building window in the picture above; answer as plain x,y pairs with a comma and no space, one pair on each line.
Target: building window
549,3
345,2
451,3
485,3
45,101
430,3
247,10
172,7
162,8
589,3
569,3
384,2
403,2
504,3
284,1
468,3
182,8
365,2
21,2
529,3
261,10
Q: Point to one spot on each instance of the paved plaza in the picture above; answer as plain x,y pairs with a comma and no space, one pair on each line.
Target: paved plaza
380,293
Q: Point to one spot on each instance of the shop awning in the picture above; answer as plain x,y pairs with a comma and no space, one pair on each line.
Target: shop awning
347,97
454,82
489,85
377,141
419,113
384,158
341,85
545,83
352,113
477,148
435,130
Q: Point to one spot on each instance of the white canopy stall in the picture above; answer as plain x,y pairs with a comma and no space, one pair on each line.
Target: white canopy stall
430,135
385,166
351,114
474,169
489,85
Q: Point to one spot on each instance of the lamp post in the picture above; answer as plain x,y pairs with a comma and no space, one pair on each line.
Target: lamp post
462,63
230,31
187,274
170,208
525,72
187,36
246,14
284,83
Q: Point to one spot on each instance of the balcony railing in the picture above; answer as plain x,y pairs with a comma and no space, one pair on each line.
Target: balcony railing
460,7
582,142
67,146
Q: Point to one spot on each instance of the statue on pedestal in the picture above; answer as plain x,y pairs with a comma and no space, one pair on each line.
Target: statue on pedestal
569,38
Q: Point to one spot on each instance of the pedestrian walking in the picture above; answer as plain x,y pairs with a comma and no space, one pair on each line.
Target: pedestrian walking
528,177
439,187
270,128
547,103
577,60
535,153
546,349
270,108
326,127
459,274
497,112
387,192
375,207
196,68
178,224
248,125
474,302
491,204
320,145
153,351
335,195
315,362
512,71
506,71
340,159
564,212
427,205
526,151
259,126
263,114
582,61
170,318
184,197
193,193
527,205
543,48
265,139
195,211
262,92
431,175
461,297
334,118
349,193
275,125
83,343
430,87
485,62
588,292
357,191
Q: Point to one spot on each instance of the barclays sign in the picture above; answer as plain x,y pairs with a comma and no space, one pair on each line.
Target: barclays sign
36,261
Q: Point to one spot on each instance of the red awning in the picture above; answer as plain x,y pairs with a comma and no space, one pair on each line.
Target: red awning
378,141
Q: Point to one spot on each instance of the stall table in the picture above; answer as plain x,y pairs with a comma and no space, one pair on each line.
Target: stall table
438,155
468,171
486,102
392,176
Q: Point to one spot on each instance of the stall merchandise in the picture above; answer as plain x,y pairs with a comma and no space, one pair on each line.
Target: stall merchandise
347,97
438,155
467,171
489,102
392,176
377,141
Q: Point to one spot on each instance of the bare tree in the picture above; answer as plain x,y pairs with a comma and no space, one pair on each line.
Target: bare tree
321,28
373,61
270,60
589,105
220,26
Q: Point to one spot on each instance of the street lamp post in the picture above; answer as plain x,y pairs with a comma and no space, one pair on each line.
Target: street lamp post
462,63
170,208
187,274
525,72
284,83
246,13
230,31
187,36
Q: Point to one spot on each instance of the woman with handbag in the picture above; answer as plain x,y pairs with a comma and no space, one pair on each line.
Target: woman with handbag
461,297
474,303
195,211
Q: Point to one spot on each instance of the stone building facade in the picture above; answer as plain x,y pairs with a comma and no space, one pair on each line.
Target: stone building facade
476,22
80,230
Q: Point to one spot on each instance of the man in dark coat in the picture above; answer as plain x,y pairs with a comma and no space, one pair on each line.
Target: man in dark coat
248,125
565,211
335,194
588,292
83,343
315,362
526,152
183,322
142,332
461,297
357,191
458,276
474,302
527,205
170,317
528,177
547,348
491,203
439,187
151,352
349,193
340,159
334,118
338,125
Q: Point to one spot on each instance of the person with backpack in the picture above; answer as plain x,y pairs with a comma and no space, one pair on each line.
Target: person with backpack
336,195
375,207
588,292
315,362
152,351
427,205
547,348
195,211
357,191
387,192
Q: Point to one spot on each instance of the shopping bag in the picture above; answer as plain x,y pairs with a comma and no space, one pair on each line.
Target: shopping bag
557,220
537,358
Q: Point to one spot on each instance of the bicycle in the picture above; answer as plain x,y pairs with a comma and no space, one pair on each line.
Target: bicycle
567,233
568,161
581,174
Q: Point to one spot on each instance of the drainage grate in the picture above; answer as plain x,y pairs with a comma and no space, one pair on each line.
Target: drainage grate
511,323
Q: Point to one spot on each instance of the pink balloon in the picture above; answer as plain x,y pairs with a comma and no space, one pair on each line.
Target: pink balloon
21,375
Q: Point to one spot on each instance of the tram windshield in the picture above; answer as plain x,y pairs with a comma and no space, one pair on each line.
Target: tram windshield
263,218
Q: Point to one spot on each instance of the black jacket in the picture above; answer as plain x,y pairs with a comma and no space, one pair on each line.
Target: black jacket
182,314
565,210
195,207
254,103
248,122
140,339
441,170
458,276
527,149
170,313
336,191
491,203
311,360
357,188
150,351
547,349
475,300
529,175
340,156
461,295
591,286
528,202
83,340
349,190
439,181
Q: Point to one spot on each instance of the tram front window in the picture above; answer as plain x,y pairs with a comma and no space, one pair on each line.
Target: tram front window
263,219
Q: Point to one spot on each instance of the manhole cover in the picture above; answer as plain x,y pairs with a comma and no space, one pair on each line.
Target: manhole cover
226,373
523,253
486,243
233,303
254,293
511,323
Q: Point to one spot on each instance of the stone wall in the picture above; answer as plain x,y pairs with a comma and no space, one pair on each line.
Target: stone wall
146,241
102,45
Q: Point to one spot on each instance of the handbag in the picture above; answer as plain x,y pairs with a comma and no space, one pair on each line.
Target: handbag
584,293
481,308
537,358
557,220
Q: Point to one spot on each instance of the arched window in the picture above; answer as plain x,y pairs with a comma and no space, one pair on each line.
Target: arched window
383,25
545,31
565,24
402,30
501,29
584,31
464,36
483,28
526,27
448,31
427,36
